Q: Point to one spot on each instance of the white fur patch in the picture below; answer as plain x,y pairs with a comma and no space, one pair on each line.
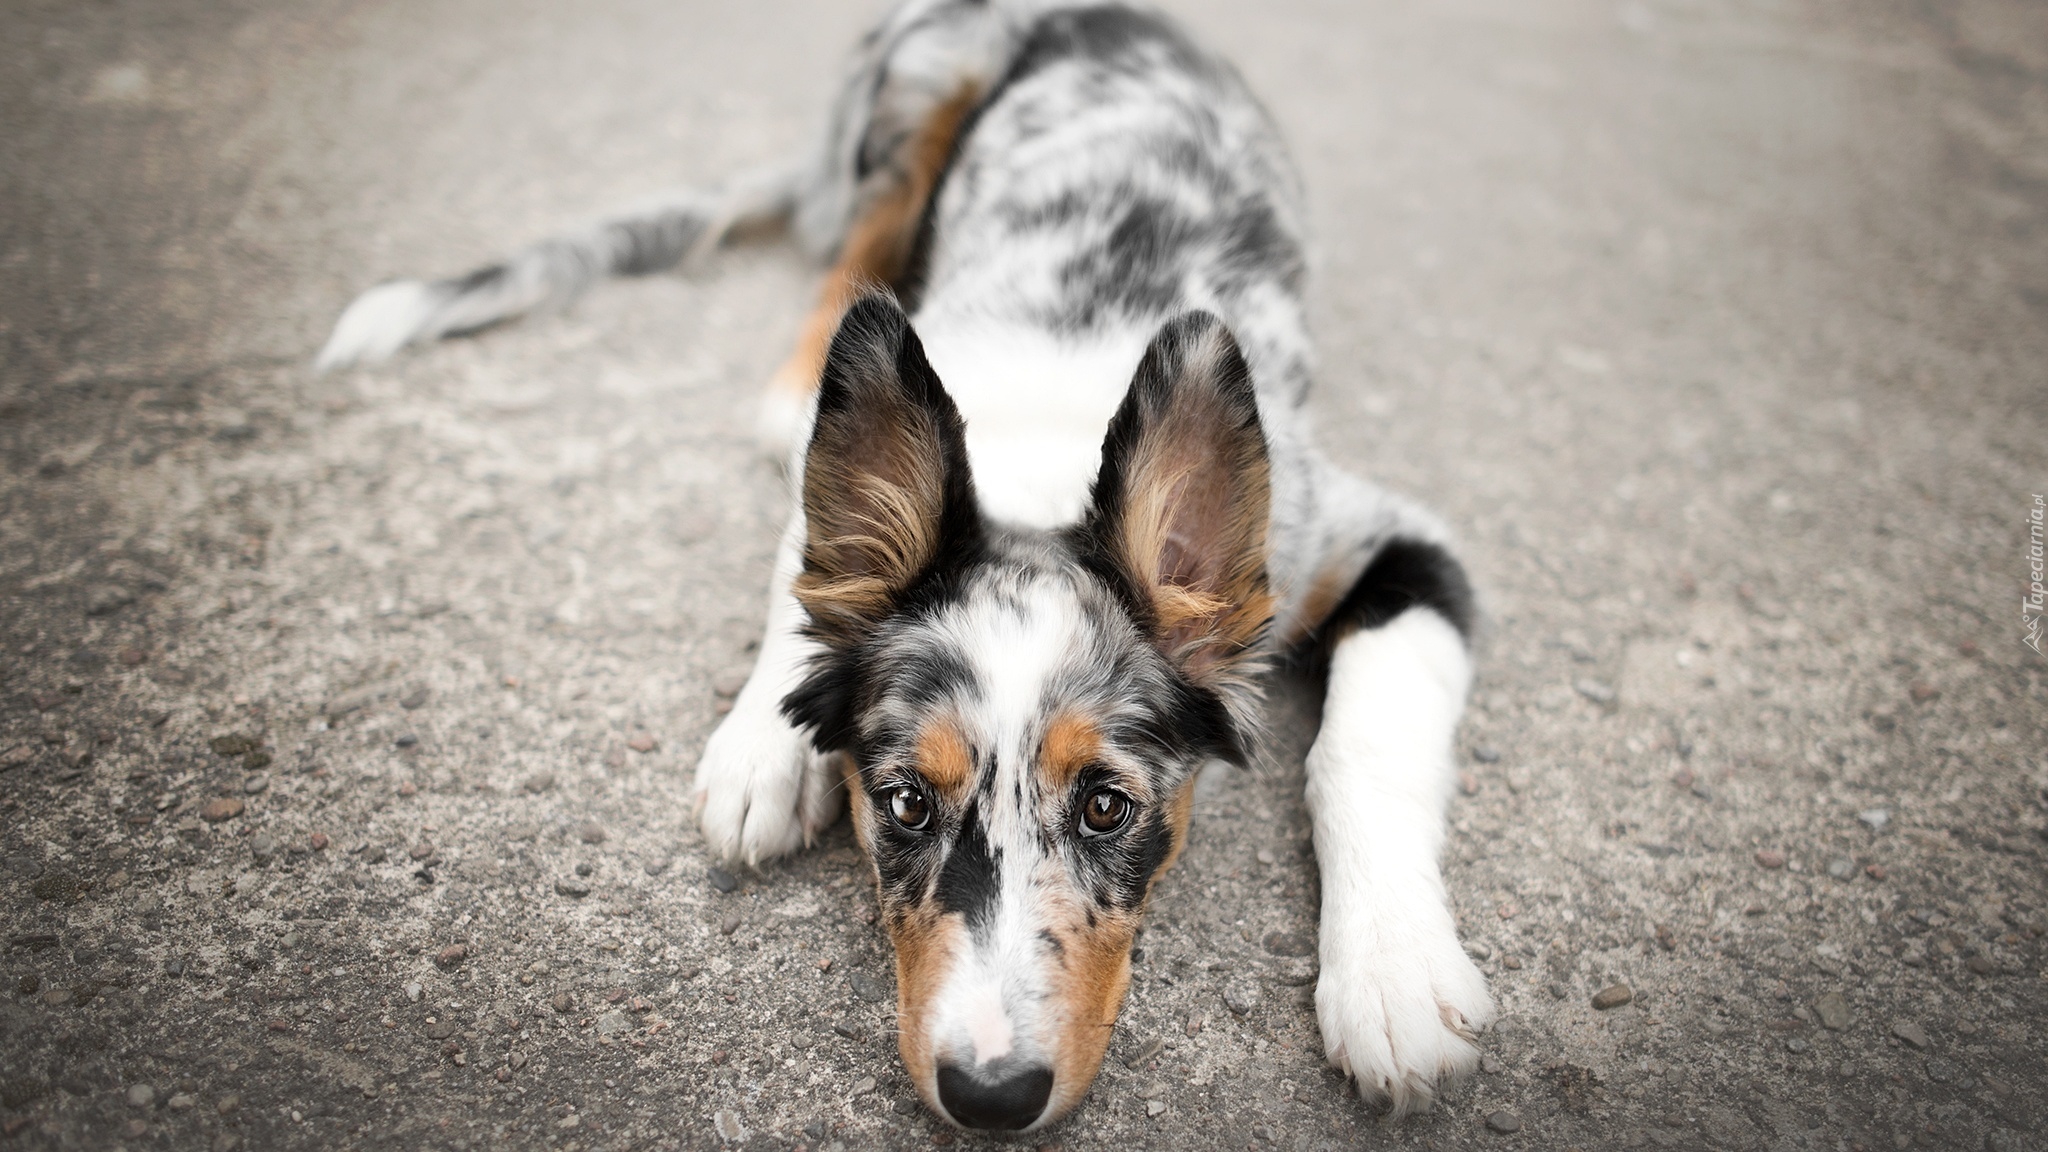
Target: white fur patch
1398,1000
379,323
762,790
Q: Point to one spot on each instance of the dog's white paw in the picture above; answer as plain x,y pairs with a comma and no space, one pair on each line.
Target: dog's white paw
762,790
1399,1004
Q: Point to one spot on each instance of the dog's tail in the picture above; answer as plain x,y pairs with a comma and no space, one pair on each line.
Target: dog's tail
656,237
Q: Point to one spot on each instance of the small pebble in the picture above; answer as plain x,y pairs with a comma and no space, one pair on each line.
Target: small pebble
730,923
234,744
1486,754
319,841
721,879
1241,998
1876,818
225,808
413,991
1842,868
1145,1052
1770,858
413,699
538,783
591,832
572,886
229,1104
452,955
141,1096
1911,1033
1874,871
1922,691
1598,693
867,987
1155,1107
1491,1065
1797,1046
1289,944
1468,783
1833,1011
1613,996
407,741
182,1102
1504,1122
642,742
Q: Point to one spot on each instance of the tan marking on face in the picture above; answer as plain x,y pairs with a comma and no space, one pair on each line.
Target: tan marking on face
1087,993
876,251
1094,976
1072,742
1178,810
927,944
943,758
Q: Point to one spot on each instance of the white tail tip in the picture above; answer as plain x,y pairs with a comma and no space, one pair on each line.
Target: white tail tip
379,323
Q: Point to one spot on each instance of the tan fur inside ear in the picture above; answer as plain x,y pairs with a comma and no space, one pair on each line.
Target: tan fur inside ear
1194,524
874,491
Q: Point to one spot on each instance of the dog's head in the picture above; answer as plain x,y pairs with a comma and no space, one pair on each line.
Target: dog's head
1025,712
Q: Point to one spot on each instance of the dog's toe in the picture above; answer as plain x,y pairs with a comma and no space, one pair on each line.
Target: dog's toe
1402,1016
749,787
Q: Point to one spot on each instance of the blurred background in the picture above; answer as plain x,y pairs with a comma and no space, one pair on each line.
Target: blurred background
346,722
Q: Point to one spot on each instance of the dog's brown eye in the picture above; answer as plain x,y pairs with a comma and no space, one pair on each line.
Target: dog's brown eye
909,808
1104,812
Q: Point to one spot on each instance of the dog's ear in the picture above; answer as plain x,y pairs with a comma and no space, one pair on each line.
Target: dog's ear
1179,511
886,488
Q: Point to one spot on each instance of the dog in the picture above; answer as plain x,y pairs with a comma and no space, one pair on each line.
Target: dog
1059,515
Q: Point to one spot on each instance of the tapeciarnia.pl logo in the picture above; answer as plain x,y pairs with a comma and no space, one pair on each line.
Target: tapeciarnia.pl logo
2035,604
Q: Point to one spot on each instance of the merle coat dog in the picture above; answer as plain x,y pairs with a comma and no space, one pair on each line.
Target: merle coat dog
1059,513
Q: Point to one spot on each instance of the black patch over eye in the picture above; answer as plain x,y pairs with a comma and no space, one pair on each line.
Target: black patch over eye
1104,811
911,811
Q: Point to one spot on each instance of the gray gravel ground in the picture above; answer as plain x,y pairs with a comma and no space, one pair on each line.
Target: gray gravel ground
346,723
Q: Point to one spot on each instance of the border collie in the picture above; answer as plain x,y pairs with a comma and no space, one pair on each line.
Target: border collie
1059,514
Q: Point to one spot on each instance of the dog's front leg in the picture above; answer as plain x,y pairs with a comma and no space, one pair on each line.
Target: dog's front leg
1398,1000
762,790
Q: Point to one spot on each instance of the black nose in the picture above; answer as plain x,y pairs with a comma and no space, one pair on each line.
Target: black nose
1002,1096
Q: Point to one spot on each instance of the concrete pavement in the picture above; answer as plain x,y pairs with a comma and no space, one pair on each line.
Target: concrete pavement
346,722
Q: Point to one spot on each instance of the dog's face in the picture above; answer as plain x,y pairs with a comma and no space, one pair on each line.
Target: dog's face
1025,712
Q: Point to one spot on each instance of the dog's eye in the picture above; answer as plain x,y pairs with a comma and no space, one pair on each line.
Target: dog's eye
1104,812
910,809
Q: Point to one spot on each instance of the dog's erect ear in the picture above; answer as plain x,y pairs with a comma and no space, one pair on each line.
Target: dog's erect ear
887,493
1180,507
